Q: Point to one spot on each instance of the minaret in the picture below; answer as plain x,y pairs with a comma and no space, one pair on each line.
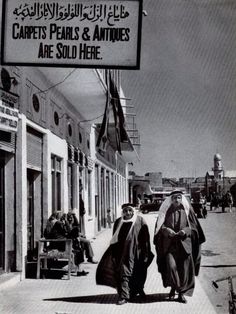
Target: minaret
218,169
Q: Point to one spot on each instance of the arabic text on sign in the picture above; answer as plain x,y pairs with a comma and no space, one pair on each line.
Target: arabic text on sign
57,12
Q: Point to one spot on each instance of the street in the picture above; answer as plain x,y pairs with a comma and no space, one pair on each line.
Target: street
218,256
82,295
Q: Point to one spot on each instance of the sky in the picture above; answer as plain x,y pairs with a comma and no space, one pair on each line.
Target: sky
185,91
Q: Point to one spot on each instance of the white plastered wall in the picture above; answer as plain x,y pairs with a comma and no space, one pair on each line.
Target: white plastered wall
58,147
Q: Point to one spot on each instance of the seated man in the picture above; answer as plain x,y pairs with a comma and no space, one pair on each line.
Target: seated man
78,252
59,229
55,229
85,243
49,225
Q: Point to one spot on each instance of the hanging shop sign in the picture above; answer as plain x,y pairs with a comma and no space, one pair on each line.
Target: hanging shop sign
87,33
8,98
8,118
8,111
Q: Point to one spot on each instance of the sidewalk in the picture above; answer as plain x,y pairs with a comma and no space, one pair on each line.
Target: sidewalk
82,295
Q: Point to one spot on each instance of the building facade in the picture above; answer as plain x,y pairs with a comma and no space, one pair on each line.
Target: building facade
49,157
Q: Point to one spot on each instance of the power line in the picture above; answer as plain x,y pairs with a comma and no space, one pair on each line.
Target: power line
65,78
91,119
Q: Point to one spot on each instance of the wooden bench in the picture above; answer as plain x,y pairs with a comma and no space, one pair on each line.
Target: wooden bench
47,251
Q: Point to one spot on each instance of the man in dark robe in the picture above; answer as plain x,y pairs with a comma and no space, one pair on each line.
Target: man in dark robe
178,238
124,264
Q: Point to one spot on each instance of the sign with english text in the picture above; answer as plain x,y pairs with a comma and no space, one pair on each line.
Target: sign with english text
8,118
72,33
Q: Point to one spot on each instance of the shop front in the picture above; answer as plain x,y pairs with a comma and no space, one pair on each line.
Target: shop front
8,135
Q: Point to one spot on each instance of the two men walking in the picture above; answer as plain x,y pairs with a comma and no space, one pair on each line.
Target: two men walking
178,237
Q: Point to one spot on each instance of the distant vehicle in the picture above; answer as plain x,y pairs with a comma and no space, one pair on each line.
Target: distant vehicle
151,207
157,200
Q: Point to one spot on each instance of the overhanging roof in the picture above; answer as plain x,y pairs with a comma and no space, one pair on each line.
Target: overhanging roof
83,88
86,92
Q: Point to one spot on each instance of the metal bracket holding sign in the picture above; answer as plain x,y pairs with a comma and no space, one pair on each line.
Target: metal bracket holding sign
90,33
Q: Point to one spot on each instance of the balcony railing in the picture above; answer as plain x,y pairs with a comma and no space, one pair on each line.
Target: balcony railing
131,128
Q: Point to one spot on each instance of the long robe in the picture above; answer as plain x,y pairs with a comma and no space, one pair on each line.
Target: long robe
124,264
178,258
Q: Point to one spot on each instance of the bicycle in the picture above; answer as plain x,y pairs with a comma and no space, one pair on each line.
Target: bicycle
231,293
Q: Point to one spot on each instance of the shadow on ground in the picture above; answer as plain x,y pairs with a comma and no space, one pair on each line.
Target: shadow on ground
209,253
112,299
218,266
217,212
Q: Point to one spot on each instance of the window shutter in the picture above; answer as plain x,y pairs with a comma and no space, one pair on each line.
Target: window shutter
34,149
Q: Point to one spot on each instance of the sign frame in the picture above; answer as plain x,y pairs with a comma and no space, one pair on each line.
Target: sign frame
135,66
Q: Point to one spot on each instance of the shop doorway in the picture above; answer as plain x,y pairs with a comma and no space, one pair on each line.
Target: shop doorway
30,214
2,217
103,201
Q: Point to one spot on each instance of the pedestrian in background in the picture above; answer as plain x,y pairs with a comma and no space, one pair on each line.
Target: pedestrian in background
82,210
138,201
109,219
178,238
229,199
215,201
125,262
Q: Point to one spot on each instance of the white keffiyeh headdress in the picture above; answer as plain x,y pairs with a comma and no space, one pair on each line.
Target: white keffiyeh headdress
114,239
165,206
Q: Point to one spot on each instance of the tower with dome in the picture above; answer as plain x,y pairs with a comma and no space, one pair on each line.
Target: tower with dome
215,179
218,168
220,180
